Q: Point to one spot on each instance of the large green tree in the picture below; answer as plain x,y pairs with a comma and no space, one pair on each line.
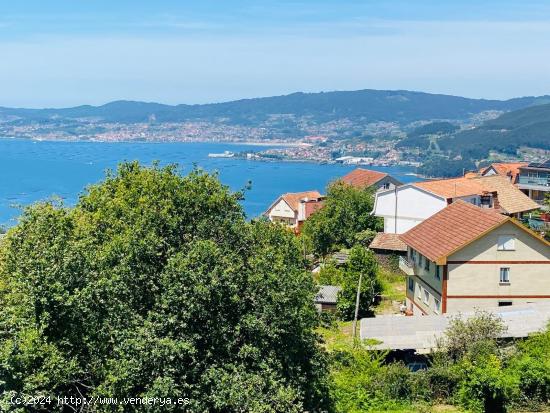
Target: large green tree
341,222
155,285
361,263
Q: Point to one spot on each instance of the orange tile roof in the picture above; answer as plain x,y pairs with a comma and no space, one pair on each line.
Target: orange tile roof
293,198
385,241
511,199
451,229
363,178
452,188
509,169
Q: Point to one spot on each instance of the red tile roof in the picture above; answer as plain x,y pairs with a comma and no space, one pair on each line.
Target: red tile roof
452,188
293,198
511,199
451,229
390,242
507,169
363,178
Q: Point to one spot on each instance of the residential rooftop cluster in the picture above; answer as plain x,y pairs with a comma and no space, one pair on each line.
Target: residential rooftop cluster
476,241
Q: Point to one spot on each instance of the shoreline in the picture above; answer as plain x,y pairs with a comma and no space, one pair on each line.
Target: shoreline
157,141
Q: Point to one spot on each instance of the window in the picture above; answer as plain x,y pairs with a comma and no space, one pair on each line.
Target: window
505,275
426,297
420,258
504,303
438,272
506,243
426,264
387,185
419,292
437,305
411,284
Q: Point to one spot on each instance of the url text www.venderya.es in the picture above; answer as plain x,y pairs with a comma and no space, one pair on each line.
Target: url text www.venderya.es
97,400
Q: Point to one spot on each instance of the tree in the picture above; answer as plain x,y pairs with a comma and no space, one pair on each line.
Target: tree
472,337
154,285
361,261
346,213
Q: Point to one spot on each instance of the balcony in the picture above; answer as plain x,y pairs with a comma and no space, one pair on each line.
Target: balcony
406,266
534,181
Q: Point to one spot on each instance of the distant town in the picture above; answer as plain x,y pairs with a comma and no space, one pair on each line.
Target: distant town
381,128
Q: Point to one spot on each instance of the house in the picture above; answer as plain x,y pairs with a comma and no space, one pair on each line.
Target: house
510,170
365,178
408,205
327,298
534,180
292,209
467,257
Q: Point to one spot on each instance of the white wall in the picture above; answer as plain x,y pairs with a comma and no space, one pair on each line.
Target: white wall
413,207
281,209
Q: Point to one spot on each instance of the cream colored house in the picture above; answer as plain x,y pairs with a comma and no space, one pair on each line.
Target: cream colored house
292,209
466,257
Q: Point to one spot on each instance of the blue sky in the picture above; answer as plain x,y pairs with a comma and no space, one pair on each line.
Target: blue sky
63,53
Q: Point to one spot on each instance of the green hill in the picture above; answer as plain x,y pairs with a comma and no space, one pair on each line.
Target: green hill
365,105
525,127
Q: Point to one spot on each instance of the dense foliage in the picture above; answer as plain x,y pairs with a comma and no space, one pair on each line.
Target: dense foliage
361,262
440,167
339,224
420,137
155,285
471,369
525,127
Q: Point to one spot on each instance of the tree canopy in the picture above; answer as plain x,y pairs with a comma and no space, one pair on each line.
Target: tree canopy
155,285
346,214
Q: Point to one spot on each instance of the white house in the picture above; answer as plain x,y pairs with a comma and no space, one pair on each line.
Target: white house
404,207
292,209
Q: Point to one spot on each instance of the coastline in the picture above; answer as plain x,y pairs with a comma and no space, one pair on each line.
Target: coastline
156,141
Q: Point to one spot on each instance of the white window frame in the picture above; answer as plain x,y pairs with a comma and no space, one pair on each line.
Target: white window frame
419,292
506,243
426,297
504,271
437,305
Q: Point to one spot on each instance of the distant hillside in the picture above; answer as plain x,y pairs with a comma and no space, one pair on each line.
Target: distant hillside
420,137
525,127
367,105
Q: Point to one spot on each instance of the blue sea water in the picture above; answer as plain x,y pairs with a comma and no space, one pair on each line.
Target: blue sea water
37,170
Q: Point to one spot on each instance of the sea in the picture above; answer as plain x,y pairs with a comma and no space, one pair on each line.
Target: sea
32,170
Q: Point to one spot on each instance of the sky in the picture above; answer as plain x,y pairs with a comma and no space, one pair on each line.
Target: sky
60,53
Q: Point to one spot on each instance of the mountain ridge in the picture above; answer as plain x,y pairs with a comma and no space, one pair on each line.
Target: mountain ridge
400,106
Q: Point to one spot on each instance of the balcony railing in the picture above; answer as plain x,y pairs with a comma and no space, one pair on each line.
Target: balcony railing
528,180
406,266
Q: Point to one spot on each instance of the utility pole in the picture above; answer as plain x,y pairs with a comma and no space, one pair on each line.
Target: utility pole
357,306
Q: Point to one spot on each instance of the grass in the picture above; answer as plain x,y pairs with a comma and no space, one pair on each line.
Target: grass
337,336
393,290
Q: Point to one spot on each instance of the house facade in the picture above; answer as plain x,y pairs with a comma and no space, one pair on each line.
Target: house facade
365,178
292,209
534,181
510,170
465,257
406,206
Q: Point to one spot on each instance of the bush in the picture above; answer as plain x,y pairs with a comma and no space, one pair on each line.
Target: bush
361,261
483,386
